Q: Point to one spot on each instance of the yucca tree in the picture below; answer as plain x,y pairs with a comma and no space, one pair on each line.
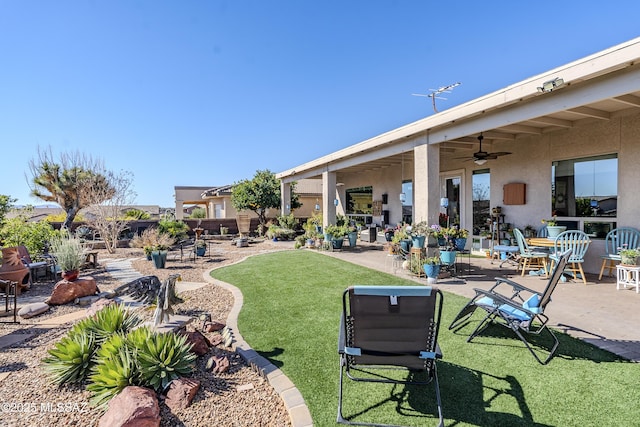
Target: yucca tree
67,181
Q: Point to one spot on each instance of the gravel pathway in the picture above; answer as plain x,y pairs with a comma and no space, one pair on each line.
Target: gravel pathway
239,397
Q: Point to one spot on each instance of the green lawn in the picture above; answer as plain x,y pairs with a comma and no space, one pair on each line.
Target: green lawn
292,304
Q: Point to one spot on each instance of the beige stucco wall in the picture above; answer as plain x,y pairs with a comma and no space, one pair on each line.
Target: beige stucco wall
529,163
531,160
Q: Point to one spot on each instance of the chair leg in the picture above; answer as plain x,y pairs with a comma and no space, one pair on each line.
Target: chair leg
556,343
604,264
524,265
584,279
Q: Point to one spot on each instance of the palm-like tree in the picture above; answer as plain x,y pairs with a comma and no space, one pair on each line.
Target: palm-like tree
70,183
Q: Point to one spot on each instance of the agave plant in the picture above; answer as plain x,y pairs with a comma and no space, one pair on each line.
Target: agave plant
114,318
114,370
163,358
71,359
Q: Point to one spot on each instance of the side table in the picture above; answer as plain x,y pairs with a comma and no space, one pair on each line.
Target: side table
628,275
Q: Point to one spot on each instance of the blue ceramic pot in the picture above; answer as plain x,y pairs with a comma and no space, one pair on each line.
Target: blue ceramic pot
418,241
448,257
431,270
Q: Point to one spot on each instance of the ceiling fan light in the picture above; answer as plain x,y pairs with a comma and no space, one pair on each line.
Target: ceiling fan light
480,162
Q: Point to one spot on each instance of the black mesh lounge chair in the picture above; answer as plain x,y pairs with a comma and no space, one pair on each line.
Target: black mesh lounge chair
389,327
522,311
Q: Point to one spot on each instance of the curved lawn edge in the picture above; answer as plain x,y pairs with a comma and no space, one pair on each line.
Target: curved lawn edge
299,413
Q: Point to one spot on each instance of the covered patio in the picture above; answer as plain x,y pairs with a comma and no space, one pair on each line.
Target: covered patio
583,113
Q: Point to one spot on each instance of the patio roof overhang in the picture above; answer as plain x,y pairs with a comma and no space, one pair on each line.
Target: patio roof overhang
599,87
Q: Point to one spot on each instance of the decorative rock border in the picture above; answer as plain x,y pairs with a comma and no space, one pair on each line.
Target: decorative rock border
294,402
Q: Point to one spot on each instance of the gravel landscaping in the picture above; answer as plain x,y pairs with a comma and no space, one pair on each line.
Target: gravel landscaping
238,397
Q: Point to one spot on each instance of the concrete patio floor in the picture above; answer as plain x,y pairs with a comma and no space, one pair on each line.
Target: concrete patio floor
595,312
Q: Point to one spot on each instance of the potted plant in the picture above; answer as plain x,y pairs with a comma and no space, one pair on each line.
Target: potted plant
401,237
553,229
69,254
432,267
201,247
337,233
159,255
352,235
459,237
419,233
629,256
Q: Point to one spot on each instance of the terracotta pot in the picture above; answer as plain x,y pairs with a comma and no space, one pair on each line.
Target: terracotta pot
70,276
13,269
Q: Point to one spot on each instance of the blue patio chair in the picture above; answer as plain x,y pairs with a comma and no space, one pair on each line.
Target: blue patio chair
577,242
516,307
617,239
530,259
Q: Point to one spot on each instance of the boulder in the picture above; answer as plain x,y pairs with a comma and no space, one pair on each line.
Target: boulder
200,343
213,326
33,309
65,291
181,392
218,364
133,407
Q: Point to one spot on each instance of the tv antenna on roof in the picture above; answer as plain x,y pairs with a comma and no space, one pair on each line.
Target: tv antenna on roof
435,92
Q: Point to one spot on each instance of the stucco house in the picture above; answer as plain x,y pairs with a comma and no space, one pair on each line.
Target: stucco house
217,200
564,142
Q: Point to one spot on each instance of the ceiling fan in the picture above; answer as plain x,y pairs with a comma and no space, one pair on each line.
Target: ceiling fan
480,157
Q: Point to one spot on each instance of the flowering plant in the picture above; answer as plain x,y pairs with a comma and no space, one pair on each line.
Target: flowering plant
550,222
420,229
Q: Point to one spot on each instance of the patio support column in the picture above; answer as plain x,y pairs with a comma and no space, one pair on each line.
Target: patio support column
211,210
179,210
285,198
328,197
426,183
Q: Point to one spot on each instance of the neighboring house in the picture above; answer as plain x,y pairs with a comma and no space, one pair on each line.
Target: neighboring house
565,139
217,200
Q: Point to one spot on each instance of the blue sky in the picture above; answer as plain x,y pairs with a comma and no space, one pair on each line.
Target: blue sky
207,92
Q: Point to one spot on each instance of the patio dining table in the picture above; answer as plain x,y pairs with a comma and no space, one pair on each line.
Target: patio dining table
577,245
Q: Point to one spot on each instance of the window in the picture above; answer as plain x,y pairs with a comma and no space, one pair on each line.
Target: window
586,187
407,204
585,193
481,189
360,204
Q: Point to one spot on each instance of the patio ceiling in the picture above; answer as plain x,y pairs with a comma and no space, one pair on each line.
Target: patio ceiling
606,110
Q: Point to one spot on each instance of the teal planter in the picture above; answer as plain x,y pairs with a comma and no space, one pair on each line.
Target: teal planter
328,237
200,251
337,243
159,258
431,270
418,241
353,238
448,257
405,245
461,242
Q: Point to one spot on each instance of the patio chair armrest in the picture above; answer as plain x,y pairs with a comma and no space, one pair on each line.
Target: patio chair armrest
517,287
501,300
341,338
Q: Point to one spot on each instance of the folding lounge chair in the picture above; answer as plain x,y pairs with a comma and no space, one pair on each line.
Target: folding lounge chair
522,311
389,327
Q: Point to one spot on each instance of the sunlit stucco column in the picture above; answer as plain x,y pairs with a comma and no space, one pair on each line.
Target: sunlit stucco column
426,183
285,198
328,196
211,210
179,210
